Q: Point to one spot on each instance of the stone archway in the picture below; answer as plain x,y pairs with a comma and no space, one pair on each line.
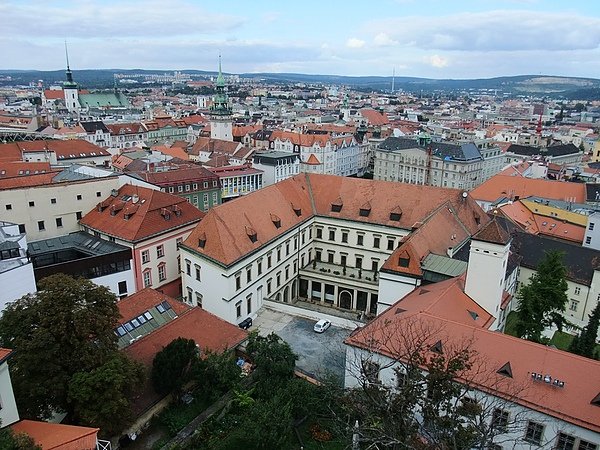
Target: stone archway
286,294
345,299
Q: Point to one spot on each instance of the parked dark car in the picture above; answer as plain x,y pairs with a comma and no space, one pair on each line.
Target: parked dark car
246,323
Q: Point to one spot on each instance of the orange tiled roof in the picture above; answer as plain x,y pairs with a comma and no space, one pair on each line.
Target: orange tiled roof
154,213
56,436
204,144
225,225
196,174
209,331
140,302
494,350
69,149
4,353
39,179
125,128
18,168
506,186
374,117
54,94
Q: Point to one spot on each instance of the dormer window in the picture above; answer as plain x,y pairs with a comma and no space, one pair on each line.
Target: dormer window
403,261
251,232
297,210
337,205
276,221
365,210
396,214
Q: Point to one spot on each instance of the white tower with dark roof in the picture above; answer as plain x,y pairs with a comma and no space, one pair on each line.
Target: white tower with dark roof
488,259
70,89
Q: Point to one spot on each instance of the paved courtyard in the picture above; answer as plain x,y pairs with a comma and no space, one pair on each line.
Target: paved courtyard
318,354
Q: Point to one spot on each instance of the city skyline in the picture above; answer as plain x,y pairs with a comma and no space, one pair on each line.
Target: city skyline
432,38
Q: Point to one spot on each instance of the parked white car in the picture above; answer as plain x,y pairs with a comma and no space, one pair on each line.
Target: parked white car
322,325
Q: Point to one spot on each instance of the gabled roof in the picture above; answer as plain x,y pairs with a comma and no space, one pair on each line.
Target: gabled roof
209,331
493,233
507,186
195,174
218,146
92,127
56,436
492,351
225,225
125,128
17,168
153,213
374,117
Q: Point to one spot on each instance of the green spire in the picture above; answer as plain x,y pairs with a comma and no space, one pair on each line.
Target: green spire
69,83
220,105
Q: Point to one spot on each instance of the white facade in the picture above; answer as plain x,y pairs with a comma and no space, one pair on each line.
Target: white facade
276,167
519,416
592,232
486,274
16,271
8,407
221,129
54,209
71,99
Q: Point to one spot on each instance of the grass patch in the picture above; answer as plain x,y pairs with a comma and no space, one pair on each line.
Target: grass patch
178,415
306,433
561,340
511,324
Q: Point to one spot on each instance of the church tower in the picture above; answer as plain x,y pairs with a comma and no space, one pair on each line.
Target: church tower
70,89
221,126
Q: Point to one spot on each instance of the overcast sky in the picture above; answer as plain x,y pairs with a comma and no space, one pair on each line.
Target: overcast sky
424,38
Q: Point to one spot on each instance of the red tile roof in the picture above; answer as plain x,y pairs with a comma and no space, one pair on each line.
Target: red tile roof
56,436
493,350
67,149
27,181
374,117
134,305
54,94
4,353
18,168
154,213
506,186
176,176
209,331
225,225
125,128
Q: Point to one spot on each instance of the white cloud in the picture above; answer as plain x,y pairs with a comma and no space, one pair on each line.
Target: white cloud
437,61
502,30
355,43
125,18
384,40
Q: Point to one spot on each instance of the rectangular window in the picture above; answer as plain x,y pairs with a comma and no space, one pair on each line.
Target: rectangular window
278,254
98,194
330,256
343,260
358,262
22,230
269,261
197,270
238,281
248,274
534,432
585,445
278,277
332,235
287,272
500,420
78,215
79,197
199,299
287,249
160,251
190,294
319,233
318,255
41,226
147,278
259,267
53,201
591,226
577,290
8,207
122,287
269,286
344,237
565,442
359,239
162,272
238,309
145,256
374,265
588,240
390,244
59,223
573,304
188,267
31,204
249,304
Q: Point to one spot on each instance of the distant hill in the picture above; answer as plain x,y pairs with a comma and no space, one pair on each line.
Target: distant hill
555,86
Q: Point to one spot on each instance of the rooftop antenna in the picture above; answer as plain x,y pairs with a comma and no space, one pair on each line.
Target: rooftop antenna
393,78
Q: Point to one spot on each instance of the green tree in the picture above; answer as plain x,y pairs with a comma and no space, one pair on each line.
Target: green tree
172,366
275,361
543,300
100,397
64,329
217,373
585,343
9,440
